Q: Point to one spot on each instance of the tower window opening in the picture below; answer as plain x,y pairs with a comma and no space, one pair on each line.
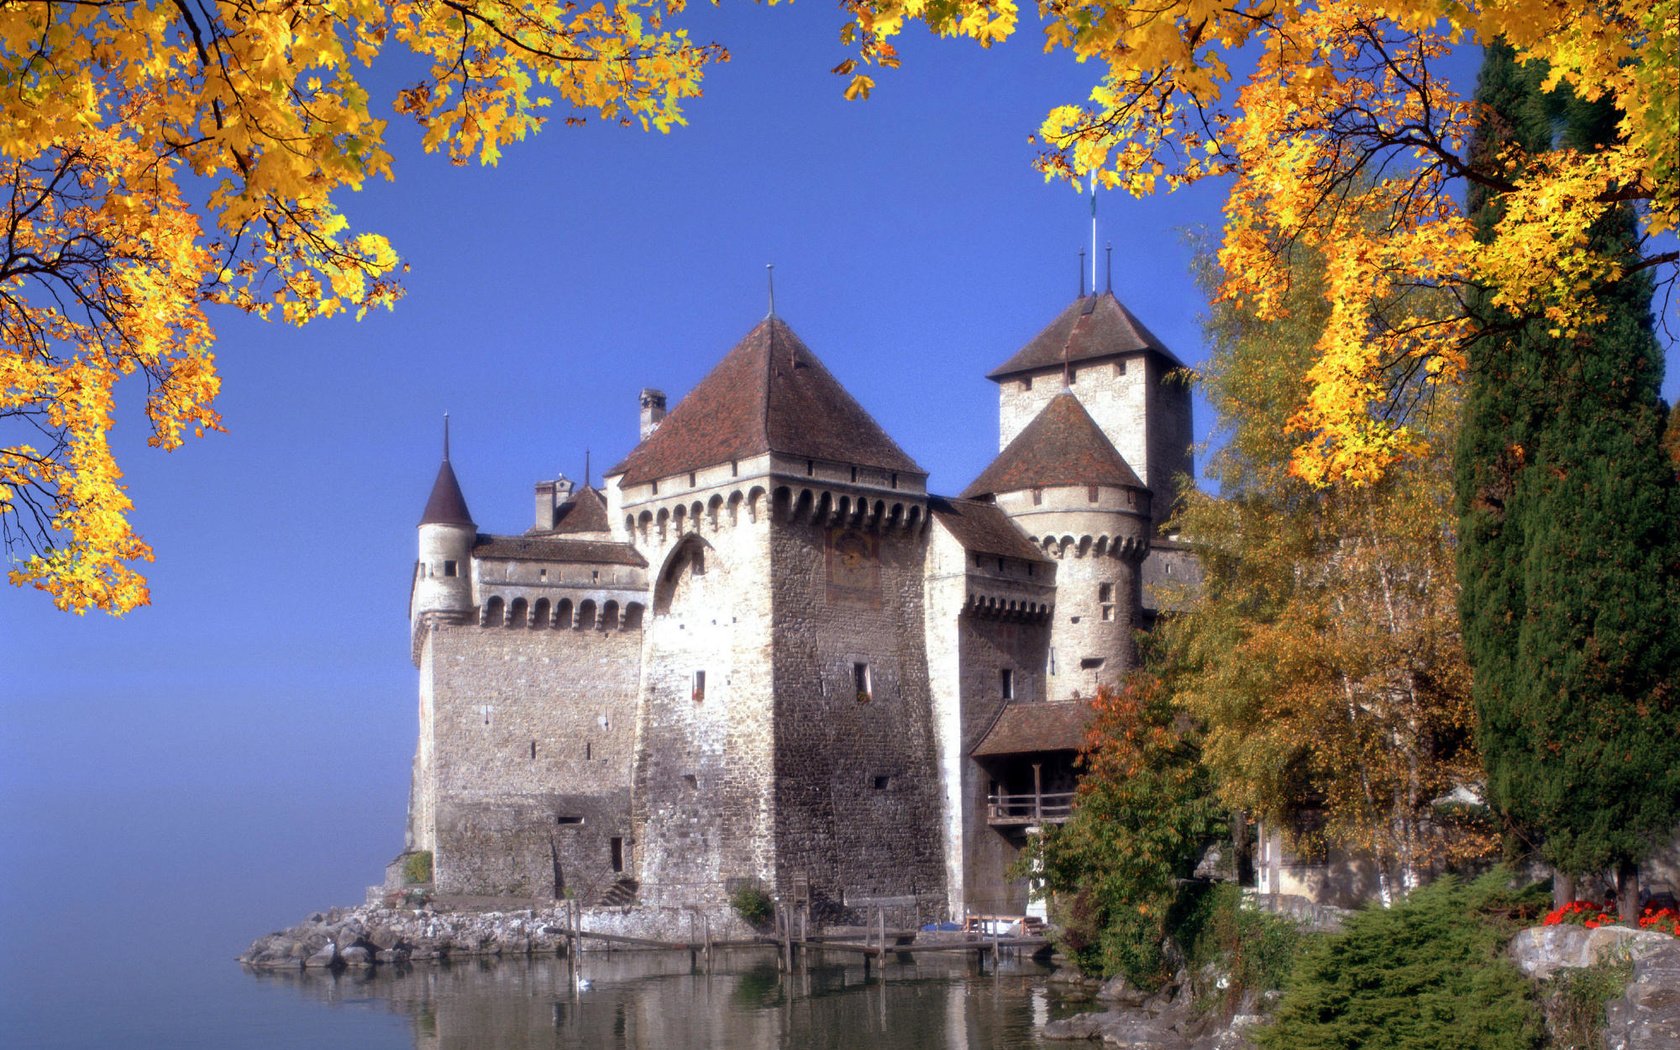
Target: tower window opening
449,567
568,820
533,750
588,750
1026,382
1052,661
1090,493
810,468
594,575
895,479
691,479
1119,368
690,782
1091,663
861,683
1000,565
854,473
653,487
617,854
1108,613
1038,496
1105,592
697,567
1006,682
734,468
882,782
699,686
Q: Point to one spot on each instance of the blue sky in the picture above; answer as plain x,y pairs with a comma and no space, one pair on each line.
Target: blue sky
247,737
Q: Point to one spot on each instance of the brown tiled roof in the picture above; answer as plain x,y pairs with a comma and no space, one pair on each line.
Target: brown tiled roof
1023,729
984,529
1061,446
586,511
558,548
1094,326
446,505
769,394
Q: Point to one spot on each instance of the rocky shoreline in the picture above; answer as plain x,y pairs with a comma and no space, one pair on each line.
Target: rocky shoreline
365,936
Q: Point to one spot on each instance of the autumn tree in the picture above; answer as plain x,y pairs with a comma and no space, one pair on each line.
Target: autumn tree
1345,118
159,159
1321,650
1142,816
1570,550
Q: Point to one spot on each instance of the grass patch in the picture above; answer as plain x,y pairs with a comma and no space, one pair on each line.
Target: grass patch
1576,1001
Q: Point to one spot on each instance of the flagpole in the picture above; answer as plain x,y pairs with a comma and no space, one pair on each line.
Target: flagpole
1093,233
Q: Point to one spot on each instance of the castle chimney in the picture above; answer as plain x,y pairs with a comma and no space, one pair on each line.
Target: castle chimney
545,506
653,410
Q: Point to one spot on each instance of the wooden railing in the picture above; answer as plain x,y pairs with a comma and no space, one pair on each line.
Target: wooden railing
1041,808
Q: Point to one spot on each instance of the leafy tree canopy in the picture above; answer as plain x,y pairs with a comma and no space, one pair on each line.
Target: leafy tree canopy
160,157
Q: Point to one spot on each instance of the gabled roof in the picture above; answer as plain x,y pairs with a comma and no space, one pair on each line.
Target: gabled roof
446,505
1061,446
982,528
1093,326
1024,729
557,548
769,394
585,511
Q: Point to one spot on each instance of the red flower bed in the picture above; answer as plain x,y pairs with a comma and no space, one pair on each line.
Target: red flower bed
1592,915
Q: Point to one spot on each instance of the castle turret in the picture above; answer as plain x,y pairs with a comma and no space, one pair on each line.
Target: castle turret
1073,494
1122,373
443,573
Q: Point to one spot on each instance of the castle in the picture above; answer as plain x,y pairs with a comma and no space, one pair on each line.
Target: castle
763,653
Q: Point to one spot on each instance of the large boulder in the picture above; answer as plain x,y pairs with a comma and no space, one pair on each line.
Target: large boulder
1540,952
1647,1016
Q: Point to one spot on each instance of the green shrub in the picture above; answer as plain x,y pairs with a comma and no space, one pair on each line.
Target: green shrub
1577,999
1426,974
1256,950
752,904
417,867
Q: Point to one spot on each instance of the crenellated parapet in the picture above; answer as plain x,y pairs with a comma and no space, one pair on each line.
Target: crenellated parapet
1128,546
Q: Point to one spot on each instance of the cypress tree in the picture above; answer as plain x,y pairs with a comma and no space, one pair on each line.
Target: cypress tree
1569,555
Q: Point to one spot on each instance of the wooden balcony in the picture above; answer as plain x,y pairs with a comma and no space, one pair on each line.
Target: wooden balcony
1037,808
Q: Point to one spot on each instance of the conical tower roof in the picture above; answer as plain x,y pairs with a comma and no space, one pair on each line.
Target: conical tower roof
1061,446
446,505
769,394
1092,327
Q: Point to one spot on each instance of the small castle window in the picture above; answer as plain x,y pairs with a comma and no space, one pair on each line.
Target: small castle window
1090,493
861,683
1091,663
1105,592
697,565
691,479
699,687
1038,496
588,750
854,473
882,782
895,479
595,575
1108,613
1006,683
1052,661
1026,382
1000,565
449,568
810,468
734,468
617,854
568,820
1029,568
1119,368
533,750
653,486
1073,376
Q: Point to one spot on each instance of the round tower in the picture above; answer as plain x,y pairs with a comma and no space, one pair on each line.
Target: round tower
1073,494
443,573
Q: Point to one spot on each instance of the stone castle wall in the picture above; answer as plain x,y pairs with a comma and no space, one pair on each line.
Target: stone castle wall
530,742
856,770
703,793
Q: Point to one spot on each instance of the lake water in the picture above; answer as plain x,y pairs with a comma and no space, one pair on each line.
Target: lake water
633,1000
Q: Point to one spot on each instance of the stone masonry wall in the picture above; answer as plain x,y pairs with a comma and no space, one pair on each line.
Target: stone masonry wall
858,801
703,775
532,735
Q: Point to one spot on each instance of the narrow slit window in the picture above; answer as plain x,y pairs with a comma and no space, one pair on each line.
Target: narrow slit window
617,854
699,686
1090,493
861,683
1038,496
533,750
1006,682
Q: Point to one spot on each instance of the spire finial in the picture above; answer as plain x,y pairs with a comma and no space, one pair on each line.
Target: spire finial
770,278
446,437
1081,273
1110,250
1093,234
586,483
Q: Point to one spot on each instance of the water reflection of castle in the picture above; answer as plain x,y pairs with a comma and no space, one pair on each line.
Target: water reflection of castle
763,652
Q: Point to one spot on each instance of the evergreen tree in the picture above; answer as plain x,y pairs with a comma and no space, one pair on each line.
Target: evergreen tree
1569,556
